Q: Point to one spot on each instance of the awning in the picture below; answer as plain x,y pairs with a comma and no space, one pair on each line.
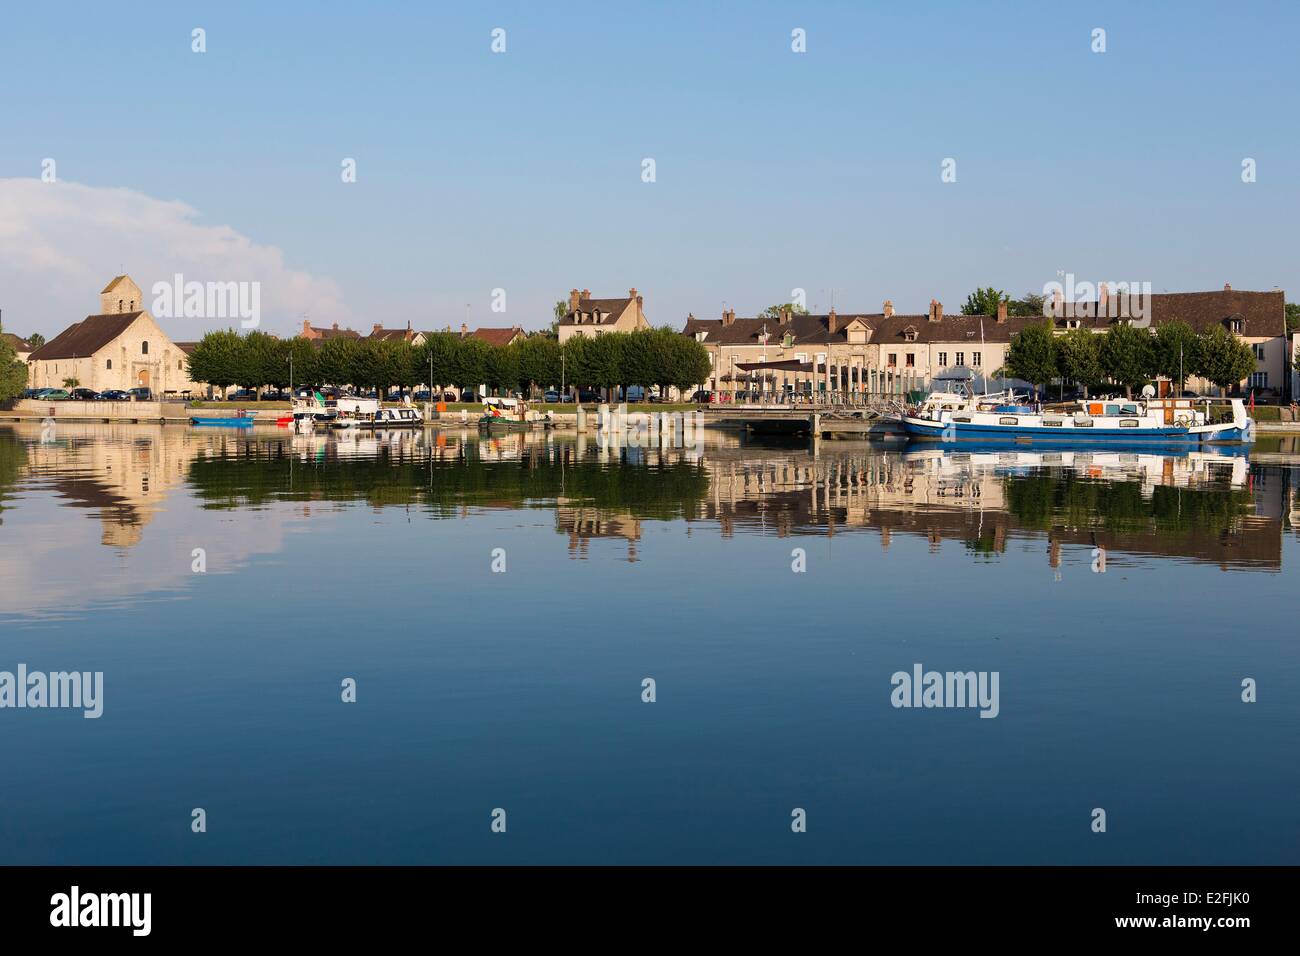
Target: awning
790,365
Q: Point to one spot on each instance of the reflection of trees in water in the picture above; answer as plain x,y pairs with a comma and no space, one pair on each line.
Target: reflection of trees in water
1053,500
13,458
256,473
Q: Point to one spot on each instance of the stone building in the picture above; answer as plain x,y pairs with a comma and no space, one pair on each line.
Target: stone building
885,352
121,347
592,317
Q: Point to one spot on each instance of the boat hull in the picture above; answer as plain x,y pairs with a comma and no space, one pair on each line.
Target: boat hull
222,422
1069,434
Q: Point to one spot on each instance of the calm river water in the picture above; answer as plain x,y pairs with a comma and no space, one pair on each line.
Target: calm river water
501,603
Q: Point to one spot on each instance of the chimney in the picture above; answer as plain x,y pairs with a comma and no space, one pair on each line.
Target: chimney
586,295
936,310
1227,287
785,316
306,327
573,300
889,308
1002,312
336,326
378,328
1058,308
631,293
728,316
464,330
833,321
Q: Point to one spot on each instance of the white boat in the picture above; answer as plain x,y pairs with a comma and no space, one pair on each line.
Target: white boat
392,418
952,416
353,412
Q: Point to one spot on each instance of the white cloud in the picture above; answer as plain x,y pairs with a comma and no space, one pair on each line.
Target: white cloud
61,242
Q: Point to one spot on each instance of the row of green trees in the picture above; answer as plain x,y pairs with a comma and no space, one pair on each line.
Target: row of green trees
1128,356
257,360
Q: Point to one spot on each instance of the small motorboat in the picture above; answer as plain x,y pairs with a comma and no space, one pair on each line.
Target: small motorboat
504,415
239,420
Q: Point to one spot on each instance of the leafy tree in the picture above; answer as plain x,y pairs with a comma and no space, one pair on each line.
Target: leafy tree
561,310
1032,355
539,361
1078,358
985,302
605,361
774,311
13,373
690,363
334,361
439,354
217,359
1029,304
1292,319
71,382
1128,356
641,360
576,367
501,368
470,368
1224,360
1177,351
261,359
306,362
36,340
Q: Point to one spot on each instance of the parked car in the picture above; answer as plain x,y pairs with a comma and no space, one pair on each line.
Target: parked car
551,396
115,395
275,396
239,395
468,396
84,395
589,395
32,392
141,394
703,396
53,395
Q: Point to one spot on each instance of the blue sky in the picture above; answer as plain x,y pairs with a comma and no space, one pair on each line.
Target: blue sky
775,170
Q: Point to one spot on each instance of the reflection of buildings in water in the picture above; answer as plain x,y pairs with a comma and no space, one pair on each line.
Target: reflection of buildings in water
982,499
582,523
122,473
122,476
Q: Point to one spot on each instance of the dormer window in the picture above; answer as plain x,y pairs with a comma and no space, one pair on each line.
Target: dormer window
909,334
1236,325
788,340
701,336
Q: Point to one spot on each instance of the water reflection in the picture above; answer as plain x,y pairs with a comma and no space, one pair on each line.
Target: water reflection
151,492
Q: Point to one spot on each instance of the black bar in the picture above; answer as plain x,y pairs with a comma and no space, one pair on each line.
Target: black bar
365,904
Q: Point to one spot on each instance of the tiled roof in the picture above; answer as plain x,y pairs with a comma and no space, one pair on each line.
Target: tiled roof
187,347
113,285
19,345
1262,314
611,309
389,334
86,337
497,336
336,333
